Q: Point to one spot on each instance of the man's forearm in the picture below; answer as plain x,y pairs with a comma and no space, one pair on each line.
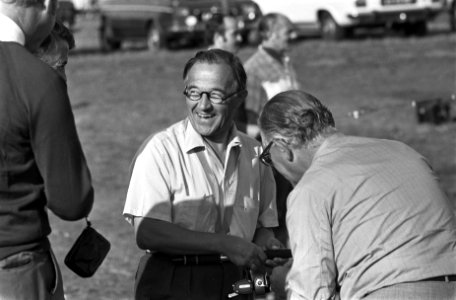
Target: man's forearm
162,236
169,238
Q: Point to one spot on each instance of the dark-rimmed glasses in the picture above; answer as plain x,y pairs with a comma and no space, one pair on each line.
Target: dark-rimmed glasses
213,96
265,156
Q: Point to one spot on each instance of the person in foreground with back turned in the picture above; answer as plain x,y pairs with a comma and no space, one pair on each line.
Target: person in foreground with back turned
367,218
42,165
198,188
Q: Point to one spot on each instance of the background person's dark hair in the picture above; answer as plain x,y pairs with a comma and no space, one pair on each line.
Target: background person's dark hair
297,116
218,56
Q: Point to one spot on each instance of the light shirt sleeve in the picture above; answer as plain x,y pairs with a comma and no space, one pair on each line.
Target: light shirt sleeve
149,190
313,272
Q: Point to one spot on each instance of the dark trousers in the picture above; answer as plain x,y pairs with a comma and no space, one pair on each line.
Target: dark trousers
159,278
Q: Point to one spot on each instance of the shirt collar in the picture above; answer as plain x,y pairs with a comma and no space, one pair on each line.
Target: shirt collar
10,31
194,140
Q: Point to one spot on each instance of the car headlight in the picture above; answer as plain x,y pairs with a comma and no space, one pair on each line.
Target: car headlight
182,11
191,21
206,16
250,11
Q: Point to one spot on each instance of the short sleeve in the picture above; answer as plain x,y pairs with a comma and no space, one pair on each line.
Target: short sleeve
149,193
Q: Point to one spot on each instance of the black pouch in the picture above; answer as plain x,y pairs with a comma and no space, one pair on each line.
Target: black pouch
88,252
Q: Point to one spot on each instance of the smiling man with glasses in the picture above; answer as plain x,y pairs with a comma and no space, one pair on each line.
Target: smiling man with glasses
198,189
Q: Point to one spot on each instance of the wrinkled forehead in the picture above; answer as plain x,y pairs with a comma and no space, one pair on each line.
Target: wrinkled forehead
215,74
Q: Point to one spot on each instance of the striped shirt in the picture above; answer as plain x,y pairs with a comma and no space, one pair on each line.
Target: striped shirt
367,214
266,77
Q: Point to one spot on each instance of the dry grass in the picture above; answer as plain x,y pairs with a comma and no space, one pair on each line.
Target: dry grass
120,98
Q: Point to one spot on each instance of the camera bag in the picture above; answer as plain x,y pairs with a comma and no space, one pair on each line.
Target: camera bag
88,252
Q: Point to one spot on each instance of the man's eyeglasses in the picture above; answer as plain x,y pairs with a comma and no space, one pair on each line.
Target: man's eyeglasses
215,97
265,156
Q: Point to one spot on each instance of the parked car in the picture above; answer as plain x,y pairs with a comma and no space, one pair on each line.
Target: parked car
66,12
450,6
336,19
165,23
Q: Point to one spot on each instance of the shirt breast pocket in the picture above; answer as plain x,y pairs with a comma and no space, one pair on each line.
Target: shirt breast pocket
196,213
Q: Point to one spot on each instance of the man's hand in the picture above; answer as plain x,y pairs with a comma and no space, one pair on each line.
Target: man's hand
243,253
274,244
278,280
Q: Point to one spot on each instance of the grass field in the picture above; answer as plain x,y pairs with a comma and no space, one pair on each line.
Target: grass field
120,98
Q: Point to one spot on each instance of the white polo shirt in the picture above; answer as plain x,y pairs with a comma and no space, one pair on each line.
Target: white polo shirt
170,182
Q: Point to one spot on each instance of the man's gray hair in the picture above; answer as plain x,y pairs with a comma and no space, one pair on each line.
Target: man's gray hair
296,116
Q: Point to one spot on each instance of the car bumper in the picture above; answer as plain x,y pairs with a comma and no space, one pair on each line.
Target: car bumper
382,18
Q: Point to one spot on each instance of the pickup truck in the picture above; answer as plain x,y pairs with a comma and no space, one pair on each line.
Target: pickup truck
167,23
337,19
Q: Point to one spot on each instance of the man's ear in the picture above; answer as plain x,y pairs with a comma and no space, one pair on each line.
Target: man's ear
289,154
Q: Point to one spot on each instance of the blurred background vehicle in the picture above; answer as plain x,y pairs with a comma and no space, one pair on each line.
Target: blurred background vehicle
450,6
337,19
168,23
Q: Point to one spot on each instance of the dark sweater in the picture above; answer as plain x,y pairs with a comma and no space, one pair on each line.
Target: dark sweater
41,160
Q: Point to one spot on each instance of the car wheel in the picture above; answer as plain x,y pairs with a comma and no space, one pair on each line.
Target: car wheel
107,43
155,39
453,16
329,28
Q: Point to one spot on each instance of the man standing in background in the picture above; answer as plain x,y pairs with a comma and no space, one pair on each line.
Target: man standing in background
42,165
223,33
269,71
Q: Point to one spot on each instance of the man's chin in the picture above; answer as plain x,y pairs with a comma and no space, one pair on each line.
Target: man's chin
203,129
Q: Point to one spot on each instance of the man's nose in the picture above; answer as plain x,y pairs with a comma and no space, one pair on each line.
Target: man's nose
204,102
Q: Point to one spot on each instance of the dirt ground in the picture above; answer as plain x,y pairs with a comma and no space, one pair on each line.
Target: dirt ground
120,98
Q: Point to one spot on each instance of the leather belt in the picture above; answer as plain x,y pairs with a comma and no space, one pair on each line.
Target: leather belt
446,278
193,259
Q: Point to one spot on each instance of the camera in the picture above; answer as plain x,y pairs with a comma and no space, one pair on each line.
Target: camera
255,282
